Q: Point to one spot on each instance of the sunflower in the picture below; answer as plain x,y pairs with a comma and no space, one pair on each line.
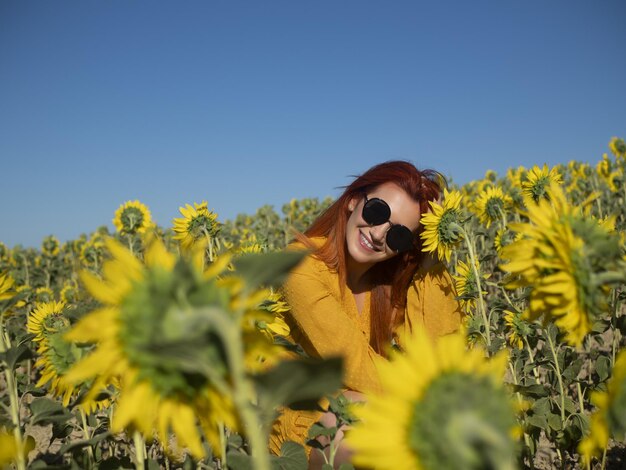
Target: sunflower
155,334
538,181
504,237
6,287
442,226
46,319
5,253
197,226
609,419
517,328
567,260
44,294
279,307
608,173
466,285
92,252
50,246
618,147
450,410
70,292
492,205
49,323
132,217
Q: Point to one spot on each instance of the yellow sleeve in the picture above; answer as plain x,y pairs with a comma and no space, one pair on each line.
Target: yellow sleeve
431,303
322,327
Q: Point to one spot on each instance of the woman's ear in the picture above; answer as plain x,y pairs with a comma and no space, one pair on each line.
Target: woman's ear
352,204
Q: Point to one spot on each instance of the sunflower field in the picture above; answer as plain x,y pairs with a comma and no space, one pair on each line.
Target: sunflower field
165,346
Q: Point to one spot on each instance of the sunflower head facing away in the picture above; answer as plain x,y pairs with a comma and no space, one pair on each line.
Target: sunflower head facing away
442,226
618,147
160,332
492,205
196,226
50,246
132,217
450,410
538,182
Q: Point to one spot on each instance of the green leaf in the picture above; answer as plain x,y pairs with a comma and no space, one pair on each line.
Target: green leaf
239,461
346,466
16,354
84,442
318,429
603,367
292,457
571,371
297,383
267,269
535,390
554,421
45,411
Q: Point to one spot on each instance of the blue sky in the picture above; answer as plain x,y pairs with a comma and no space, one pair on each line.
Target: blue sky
246,103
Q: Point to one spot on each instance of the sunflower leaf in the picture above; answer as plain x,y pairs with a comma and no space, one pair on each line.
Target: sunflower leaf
298,383
46,411
267,269
292,457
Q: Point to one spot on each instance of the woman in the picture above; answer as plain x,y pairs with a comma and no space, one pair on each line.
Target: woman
366,282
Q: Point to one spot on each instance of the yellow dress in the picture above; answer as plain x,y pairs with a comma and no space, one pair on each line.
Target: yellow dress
326,324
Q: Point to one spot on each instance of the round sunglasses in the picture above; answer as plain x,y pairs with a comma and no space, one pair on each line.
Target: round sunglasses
377,212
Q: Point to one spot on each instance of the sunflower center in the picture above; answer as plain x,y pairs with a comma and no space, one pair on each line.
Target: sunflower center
454,408
164,335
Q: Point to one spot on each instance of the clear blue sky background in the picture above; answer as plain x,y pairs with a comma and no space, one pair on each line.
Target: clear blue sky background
246,103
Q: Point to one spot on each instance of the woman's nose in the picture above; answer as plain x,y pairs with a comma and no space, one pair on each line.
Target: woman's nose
377,232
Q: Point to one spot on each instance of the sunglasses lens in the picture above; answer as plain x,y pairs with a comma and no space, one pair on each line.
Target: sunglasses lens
376,211
399,238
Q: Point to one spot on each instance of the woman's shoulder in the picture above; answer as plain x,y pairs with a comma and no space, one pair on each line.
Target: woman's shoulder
310,262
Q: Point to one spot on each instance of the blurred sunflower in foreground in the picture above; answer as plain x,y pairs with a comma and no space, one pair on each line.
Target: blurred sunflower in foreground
568,261
450,410
609,419
132,217
160,332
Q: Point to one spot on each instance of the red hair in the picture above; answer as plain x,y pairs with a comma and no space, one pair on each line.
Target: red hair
392,277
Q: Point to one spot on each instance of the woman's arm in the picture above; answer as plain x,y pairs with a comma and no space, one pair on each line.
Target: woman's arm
327,329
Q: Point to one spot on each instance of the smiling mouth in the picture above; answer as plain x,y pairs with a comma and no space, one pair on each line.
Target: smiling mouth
366,243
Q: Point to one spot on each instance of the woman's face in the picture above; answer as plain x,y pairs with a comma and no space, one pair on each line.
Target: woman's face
366,243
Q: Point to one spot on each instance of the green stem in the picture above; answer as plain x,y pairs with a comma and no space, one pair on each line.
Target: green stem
532,360
224,444
140,451
243,391
481,301
581,403
14,402
558,376
520,400
87,437
603,464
